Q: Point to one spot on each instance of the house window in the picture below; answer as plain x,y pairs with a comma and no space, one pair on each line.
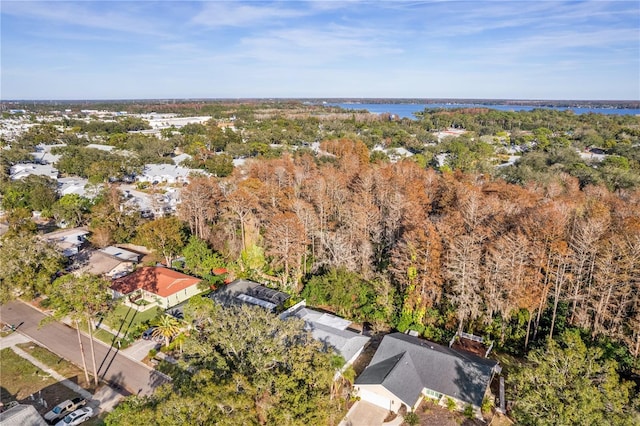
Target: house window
432,394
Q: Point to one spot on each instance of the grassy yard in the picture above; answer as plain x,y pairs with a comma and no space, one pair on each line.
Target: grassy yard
59,365
21,379
125,319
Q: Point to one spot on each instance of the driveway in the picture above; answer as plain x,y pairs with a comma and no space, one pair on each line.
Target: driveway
363,413
140,349
113,367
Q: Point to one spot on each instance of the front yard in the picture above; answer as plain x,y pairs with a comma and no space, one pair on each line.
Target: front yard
26,383
127,320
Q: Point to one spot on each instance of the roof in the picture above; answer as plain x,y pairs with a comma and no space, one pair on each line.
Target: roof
121,254
21,414
155,279
253,293
97,263
19,171
70,234
180,158
166,171
332,332
405,365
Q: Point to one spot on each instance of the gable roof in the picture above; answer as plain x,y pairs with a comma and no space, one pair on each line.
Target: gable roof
332,332
21,414
405,365
155,279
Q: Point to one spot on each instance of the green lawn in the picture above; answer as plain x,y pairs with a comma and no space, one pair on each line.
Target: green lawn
127,320
59,365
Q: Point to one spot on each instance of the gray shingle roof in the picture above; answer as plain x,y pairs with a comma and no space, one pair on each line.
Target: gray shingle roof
405,365
331,331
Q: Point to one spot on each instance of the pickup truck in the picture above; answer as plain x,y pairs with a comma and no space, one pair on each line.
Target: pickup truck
64,408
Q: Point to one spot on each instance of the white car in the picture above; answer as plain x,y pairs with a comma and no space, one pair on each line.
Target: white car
81,415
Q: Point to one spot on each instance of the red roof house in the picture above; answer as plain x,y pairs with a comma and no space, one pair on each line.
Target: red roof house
155,285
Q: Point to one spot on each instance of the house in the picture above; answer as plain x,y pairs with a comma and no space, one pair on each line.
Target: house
19,171
332,331
68,241
105,148
155,286
406,368
21,414
78,186
43,154
168,173
110,262
180,158
249,292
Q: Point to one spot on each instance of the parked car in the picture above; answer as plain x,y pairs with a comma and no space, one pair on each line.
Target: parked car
148,334
64,408
79,416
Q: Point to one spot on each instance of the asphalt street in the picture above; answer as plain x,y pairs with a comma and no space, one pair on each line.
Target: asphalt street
116,369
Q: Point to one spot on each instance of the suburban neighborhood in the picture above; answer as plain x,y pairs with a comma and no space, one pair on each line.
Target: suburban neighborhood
301,263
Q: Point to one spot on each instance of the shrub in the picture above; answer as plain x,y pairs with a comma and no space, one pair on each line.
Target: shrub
451,404
468,411
412,419
487,405
153,353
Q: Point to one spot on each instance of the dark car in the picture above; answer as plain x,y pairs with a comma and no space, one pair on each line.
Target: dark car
148,334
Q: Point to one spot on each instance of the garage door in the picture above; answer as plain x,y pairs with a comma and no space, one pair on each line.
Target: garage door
374,398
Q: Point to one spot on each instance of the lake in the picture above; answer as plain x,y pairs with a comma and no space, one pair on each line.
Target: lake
407,110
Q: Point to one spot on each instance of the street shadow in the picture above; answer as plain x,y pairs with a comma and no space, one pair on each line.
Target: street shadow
117,383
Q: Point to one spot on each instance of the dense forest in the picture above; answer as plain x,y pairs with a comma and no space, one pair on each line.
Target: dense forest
547,248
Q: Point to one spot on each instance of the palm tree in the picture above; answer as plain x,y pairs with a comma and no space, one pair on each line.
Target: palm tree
167,327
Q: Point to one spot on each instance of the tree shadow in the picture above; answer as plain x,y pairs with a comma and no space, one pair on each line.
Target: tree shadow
473,376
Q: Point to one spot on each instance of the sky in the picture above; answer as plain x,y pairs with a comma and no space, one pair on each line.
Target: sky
526,49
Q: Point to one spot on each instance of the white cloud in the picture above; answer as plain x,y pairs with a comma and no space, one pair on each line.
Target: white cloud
120,16
237,14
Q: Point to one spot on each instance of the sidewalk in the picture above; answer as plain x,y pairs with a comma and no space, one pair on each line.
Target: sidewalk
105,398
15,338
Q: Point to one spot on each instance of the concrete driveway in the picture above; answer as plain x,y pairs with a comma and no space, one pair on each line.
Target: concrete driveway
140,349
363,413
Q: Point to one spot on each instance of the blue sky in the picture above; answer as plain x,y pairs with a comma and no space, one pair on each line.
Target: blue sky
527,49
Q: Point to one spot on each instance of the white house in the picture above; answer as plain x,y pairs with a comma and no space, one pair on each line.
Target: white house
168,173
20,171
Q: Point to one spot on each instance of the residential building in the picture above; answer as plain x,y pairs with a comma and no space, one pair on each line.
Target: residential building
21,415
168,173
152,286
332,331
110,262
22,170
248,292
68,241
405,368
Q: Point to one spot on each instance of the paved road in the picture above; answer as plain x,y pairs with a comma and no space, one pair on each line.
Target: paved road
61,339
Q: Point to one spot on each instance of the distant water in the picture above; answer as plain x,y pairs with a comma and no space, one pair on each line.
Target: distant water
407,110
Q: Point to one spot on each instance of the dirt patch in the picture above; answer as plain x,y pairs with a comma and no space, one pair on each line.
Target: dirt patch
367,353
476,348
431,414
